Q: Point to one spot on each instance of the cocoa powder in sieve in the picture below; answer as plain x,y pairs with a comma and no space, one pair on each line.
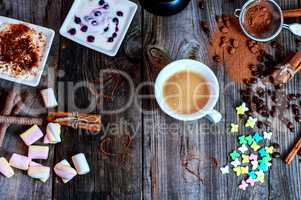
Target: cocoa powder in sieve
229,45
259,19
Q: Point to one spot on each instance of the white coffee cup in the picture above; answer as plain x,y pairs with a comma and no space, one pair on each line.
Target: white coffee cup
197,67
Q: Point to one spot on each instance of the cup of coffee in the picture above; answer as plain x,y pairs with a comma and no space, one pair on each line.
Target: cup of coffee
188,90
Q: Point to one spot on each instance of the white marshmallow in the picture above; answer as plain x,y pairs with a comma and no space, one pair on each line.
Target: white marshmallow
81,164
64,170
53,134
5,169
39,172
49,98
38,152
20,162
32,135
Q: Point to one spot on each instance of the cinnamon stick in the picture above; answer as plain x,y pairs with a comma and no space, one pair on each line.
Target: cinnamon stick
293,152
21,120
292,13
7,109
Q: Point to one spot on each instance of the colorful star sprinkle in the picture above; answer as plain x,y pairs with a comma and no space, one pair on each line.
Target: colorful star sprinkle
243,148
249,139
234,128
254,164
251,122
251,181
260,176
242,109
236,162
255,146
242,140
243,185
253,156
267,135
252,159
269,149
257,137
225,170
234,155
245,159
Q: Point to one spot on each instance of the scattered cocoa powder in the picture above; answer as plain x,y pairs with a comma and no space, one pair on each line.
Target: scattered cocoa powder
237,52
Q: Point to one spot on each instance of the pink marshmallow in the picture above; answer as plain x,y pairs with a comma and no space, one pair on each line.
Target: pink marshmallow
64,170
5,169
53,134
38,152
20,162
39,172
32,135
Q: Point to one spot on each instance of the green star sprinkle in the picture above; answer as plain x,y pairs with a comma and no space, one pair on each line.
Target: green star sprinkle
242,139
250,139
234,128
234,155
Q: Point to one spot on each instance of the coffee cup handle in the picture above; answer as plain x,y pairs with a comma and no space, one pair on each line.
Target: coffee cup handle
214,116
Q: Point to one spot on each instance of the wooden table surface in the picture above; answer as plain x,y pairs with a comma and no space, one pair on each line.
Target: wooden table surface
152,168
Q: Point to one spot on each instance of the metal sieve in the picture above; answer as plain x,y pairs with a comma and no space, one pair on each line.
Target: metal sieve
276,27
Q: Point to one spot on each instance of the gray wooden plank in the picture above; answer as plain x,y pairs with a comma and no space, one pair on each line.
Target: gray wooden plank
284,180
110,178
168,142
43,13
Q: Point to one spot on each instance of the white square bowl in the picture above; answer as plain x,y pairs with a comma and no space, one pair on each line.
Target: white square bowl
32,80
131,7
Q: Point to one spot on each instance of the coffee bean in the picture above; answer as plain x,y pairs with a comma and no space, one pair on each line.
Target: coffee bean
259,58
276,155
291,127
224,30
298,119
217,58
235,43
291,97
267,123
275,145
201,4
279,86
219,19
274,44
260,91
296,112
295,107
254,50
231,50
259,124
273,113
253,80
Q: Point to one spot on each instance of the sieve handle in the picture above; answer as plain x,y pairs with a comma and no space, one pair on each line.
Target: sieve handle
237,12
292,13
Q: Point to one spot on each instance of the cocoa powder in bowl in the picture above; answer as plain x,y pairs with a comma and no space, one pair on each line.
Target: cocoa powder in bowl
262,19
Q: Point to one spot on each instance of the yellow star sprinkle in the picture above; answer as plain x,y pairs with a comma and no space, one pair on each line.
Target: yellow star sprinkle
245,158
269,150
234,128
237,170
251,122
240,110
260,176
255,146
244,170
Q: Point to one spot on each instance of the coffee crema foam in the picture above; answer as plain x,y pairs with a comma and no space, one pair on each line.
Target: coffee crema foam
186,92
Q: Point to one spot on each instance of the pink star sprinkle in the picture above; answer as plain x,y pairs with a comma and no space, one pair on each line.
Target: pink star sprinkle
251,181
253,156
243,185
